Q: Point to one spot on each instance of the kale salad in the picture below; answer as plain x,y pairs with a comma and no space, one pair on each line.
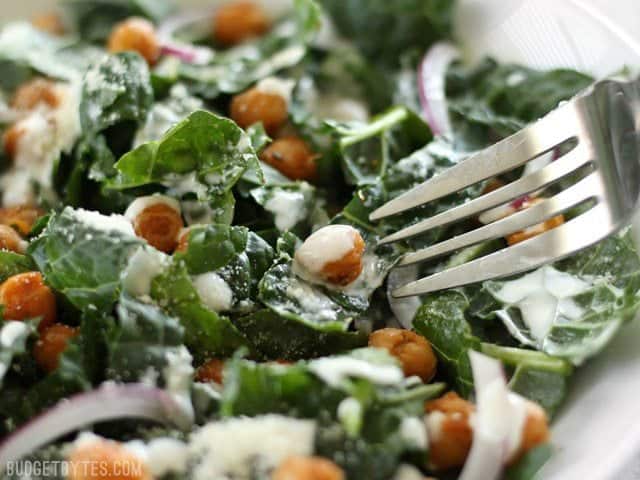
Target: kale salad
191,285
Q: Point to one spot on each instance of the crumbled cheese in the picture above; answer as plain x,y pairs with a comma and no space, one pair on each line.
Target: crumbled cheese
277,86
106,223
329,244
178,376
46,133
142,203
542,296
288,208
144,265
236,448
214,292
11,332
334,370
414,432
162,455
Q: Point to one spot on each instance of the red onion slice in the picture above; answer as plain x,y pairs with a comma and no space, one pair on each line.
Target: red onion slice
185,52
498,422
109,402
431,86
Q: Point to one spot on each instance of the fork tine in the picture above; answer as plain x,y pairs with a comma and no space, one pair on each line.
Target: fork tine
528,255
585,189
527,184
505,155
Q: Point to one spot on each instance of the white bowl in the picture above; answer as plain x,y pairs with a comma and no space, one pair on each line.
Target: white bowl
597,433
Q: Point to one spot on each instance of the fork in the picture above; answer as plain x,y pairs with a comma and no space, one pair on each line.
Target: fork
603,123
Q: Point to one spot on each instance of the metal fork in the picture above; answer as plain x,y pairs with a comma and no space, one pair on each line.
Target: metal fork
604,124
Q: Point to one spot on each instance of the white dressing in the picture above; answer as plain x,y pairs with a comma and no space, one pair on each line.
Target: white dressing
334,370
329,244
142,203
144,265
287,207
214,292
277,86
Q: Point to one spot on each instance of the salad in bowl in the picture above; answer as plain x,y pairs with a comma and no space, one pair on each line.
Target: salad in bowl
192,287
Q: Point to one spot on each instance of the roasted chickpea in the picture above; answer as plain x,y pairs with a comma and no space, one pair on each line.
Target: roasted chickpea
106,460
159,224
25,296
10,240
135,35
493,184
52,343
534,230
35,92
255,106
534,433
348,268
238,21
49,22
308,468
450,433
11,139
332,254
22,218
210,371
412,350
293,157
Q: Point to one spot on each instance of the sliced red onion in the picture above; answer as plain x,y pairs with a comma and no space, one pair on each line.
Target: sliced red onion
404,309
431,86
109,402
498,422
185,52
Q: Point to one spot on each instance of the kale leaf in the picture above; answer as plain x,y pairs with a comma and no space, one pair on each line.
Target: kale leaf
83,261
407,24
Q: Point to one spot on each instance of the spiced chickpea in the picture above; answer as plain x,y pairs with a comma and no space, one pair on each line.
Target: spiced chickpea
534,433
210,371
114,460
10,240
38,91
293,157
333,254
52,343
412,350
308,468
49,22
25,296
238,21
11,139
255,105
22,218
135,35
449,430
534,230
157,219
